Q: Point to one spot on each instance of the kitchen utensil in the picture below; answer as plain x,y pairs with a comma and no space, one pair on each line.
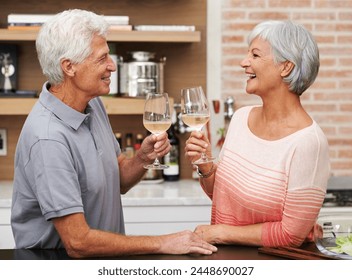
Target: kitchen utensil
335,236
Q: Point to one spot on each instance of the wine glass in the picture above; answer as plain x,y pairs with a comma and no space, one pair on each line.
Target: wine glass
157,119
195,113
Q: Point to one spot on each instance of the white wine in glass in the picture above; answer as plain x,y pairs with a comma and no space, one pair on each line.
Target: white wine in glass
195,113
157,119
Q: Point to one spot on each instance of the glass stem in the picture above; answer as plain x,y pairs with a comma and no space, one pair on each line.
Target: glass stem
156,162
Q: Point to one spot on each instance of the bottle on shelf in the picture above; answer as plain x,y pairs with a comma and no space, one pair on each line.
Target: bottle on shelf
118,136
129,150
172,159
139,140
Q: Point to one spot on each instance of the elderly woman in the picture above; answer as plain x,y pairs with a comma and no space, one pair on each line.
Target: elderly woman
69,169
269,184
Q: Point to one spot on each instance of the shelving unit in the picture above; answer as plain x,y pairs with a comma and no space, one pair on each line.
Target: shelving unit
114,106
185,54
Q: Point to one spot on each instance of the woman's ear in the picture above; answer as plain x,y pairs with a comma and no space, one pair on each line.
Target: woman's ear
287,67
67,67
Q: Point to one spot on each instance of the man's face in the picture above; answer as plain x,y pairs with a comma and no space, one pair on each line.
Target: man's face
92,76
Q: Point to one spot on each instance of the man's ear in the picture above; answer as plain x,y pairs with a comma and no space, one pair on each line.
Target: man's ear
67,67
287,67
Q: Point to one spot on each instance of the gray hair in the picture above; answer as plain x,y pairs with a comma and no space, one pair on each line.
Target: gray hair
68,35
291,42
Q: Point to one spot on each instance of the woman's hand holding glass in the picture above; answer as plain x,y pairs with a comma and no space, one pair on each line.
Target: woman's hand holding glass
196,144
196,113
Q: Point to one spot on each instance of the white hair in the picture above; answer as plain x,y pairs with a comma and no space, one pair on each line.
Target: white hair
291,42
68,35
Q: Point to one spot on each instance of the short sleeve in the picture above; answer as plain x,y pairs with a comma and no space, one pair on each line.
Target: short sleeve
54,179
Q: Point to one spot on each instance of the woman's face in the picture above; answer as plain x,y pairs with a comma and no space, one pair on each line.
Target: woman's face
263,74
93,75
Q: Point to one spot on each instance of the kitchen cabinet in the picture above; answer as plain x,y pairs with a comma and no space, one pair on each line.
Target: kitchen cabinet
185,54
139,220
6,239
165,208
165,219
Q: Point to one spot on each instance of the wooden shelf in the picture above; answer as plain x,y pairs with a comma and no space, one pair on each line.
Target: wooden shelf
113,106
115,36
123,106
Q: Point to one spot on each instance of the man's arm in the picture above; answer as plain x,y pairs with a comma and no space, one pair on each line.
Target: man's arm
81,241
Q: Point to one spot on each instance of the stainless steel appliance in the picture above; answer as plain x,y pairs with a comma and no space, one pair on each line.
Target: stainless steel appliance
338,198
141,74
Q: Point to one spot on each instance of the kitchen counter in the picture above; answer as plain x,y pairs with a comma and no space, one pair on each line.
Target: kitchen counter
146,193
224,253
307,251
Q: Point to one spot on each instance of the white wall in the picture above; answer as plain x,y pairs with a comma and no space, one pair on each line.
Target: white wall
214,67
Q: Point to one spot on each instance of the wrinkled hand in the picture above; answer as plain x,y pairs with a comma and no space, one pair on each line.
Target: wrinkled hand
185,242
195,145
154,146
209,233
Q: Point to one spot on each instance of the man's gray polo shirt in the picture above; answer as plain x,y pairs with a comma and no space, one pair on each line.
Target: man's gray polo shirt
65,162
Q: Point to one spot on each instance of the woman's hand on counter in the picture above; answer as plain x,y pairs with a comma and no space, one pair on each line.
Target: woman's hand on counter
209,233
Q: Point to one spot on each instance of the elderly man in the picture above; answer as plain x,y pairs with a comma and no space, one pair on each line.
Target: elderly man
69,169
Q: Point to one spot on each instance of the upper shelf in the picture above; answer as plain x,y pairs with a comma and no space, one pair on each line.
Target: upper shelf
115,36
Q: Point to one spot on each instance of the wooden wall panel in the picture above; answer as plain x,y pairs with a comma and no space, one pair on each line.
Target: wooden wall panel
13,125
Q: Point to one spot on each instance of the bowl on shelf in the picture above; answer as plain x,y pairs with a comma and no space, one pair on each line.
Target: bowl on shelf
334,237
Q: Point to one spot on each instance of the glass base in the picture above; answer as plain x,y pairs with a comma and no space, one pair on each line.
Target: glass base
156,166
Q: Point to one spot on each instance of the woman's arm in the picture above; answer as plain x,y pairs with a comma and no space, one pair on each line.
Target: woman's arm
195,145
225,234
